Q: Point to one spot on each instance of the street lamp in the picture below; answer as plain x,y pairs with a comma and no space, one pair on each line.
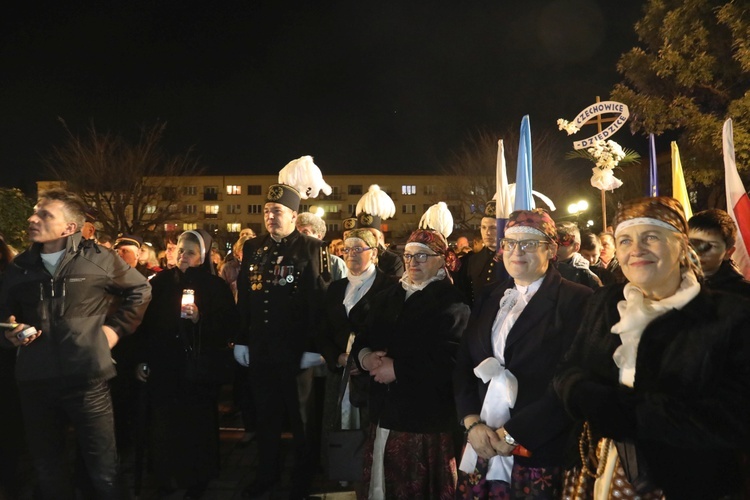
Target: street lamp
319,211
578,207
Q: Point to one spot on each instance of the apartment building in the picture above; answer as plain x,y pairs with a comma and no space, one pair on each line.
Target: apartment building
224,204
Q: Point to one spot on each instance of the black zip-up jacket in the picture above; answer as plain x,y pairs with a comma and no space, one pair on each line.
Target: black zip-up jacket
70,309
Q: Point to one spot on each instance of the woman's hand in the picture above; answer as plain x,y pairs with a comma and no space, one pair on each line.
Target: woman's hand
372,360
483,439
501,447
384,373
191,312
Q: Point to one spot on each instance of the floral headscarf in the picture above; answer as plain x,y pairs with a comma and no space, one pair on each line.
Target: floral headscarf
536,221
438,244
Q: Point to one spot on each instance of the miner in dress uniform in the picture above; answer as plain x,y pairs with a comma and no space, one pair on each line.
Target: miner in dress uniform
281,286
485,266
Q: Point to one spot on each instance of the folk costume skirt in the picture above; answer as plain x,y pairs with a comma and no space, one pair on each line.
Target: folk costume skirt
414,466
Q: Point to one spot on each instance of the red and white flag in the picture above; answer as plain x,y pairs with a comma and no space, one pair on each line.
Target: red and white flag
738,203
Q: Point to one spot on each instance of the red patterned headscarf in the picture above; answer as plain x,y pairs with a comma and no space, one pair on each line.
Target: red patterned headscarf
438,244
536,221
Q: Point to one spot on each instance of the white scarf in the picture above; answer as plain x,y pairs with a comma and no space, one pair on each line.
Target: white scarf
358,287
637,312
503,388
412,287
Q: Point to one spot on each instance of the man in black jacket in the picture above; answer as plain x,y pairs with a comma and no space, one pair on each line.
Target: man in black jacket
713,235
63,286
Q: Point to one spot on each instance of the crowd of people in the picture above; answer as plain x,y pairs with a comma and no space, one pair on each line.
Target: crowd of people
544,364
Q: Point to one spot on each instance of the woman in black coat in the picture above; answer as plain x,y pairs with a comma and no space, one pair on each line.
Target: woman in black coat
518,333
660,370
408,347
347,304
185,352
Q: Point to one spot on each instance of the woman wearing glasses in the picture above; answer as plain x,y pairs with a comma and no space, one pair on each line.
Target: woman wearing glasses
408,346
516,428
346,306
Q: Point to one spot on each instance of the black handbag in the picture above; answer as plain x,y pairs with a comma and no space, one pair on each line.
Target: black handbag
359,385
345,447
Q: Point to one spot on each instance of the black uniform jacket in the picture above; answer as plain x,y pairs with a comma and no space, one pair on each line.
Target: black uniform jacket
280,289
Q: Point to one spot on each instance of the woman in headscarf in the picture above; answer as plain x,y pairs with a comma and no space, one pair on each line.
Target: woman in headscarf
408,346
516,428
660,371
347,304
186,344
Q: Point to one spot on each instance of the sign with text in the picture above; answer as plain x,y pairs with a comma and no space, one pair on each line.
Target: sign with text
597,109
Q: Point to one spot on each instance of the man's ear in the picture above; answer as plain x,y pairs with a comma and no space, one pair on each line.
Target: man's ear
729,252
70,228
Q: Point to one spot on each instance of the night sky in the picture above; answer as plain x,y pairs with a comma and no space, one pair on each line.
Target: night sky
381,87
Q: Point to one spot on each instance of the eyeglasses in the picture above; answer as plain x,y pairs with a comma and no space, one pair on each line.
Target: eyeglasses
419,257
525,245
356,250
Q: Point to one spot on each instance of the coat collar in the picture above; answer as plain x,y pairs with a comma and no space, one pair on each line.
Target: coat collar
542,301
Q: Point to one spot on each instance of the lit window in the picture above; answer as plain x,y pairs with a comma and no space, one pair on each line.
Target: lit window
189,226
234,227
233,189
408,190
150,209
212,211
170,226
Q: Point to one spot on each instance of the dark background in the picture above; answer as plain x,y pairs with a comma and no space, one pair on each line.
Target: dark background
371,87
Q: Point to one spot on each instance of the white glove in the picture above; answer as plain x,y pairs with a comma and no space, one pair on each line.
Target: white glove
242,354
310,359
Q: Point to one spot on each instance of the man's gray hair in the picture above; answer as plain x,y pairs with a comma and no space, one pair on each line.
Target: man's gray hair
312,220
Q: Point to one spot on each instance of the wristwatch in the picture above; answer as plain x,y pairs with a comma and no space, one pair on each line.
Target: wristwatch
509,439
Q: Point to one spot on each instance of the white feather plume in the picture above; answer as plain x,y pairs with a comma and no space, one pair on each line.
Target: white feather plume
376,202
304,176
543,197
439,218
